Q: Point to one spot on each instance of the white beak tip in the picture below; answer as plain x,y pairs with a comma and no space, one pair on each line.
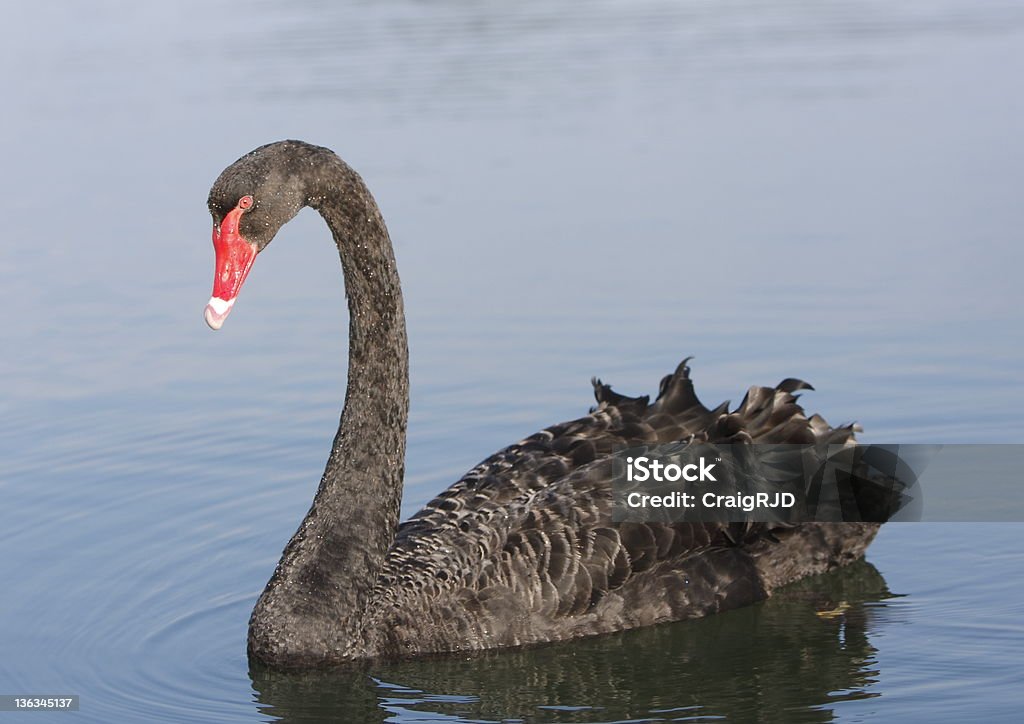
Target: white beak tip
217,311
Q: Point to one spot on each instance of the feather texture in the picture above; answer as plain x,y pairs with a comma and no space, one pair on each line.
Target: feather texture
522,549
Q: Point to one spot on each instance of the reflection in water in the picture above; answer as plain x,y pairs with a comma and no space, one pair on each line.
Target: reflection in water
786,660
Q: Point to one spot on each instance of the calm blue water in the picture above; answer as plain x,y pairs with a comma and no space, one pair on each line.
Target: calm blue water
824,190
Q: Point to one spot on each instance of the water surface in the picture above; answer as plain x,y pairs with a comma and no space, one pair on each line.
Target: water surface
822,190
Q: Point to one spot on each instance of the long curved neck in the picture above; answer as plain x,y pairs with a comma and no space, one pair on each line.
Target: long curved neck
313,605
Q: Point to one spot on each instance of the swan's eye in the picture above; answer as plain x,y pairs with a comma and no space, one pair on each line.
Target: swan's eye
245,202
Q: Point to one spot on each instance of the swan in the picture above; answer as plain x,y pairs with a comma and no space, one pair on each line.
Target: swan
522,549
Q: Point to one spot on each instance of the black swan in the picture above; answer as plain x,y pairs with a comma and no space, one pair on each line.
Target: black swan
522,549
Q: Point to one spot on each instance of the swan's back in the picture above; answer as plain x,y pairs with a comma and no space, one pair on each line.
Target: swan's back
522,549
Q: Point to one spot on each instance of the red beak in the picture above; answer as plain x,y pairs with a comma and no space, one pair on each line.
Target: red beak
235,255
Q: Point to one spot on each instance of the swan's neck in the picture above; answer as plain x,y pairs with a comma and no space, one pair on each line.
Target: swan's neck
313,606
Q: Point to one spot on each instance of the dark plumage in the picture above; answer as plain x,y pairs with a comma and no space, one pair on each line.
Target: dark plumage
522,549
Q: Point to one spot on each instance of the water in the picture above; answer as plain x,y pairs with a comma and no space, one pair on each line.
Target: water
827,190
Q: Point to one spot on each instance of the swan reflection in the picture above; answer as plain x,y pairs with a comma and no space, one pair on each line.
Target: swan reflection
796,657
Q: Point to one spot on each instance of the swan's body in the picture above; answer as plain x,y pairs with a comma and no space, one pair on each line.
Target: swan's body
520,550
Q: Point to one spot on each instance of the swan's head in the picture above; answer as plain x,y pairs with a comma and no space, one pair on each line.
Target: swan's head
250,201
